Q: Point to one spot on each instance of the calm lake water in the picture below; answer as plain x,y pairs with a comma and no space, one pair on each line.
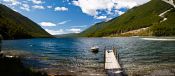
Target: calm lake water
73,55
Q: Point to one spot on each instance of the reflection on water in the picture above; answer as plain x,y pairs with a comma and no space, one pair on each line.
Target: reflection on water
73,55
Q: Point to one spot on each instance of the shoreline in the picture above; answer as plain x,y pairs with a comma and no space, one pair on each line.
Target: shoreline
27,61
95,37
12,66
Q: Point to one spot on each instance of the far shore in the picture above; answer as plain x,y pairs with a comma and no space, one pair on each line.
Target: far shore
142,36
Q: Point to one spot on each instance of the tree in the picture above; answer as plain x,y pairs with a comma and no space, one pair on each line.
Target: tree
0,42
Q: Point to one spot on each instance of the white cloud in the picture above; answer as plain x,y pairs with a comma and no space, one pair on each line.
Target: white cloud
125,4
63,22
101,17
25,1
107,19
61,9
94,7
74,30
63,31
25,7
119,12
55,32
8,0
38,7
91,7
37,1
47,24
49,6
12,2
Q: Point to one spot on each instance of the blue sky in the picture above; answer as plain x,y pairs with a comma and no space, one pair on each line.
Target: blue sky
70,16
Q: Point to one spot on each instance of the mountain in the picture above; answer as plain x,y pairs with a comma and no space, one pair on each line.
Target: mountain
70,35
155,18
15,26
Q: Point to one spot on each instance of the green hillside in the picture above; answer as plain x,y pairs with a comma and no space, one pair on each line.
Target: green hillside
15,26
143,16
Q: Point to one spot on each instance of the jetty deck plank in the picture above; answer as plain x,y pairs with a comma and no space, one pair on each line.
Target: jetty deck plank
111,61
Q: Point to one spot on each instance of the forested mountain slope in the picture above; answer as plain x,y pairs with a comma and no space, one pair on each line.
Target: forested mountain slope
144,16
15,26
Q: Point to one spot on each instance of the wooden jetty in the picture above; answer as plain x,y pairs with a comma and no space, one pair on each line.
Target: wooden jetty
112,65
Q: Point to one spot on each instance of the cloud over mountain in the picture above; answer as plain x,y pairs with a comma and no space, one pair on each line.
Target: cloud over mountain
96,7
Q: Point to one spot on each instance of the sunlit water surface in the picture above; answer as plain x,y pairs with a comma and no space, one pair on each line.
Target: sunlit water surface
73,55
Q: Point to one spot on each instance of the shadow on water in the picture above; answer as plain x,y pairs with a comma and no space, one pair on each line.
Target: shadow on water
95,52
13,66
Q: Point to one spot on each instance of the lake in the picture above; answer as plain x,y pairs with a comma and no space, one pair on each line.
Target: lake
72,56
